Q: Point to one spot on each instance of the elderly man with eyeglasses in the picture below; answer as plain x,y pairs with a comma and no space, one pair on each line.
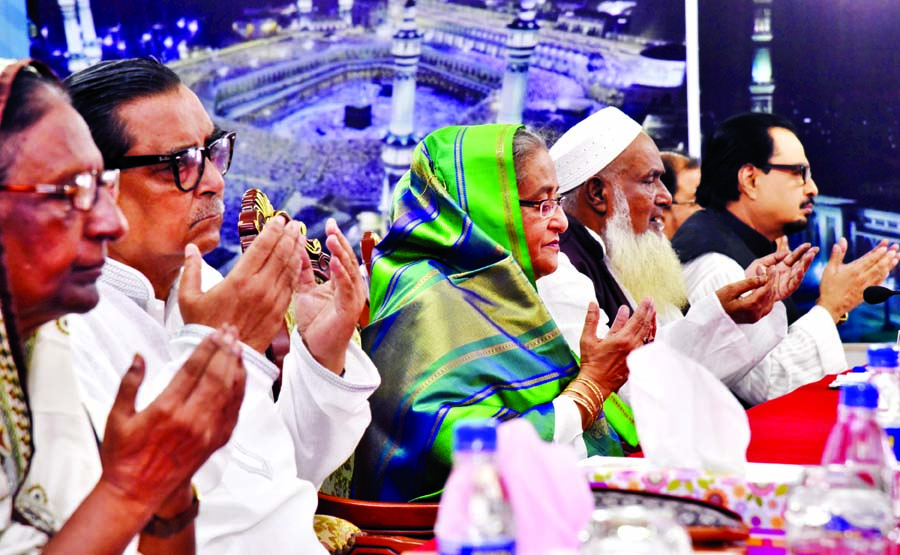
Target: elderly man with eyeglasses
61,492
756,187
158,297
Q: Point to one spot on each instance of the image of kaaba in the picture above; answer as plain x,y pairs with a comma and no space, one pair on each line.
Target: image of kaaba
329,97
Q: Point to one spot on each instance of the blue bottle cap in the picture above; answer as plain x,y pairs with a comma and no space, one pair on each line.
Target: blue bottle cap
882,356
838,524
859,395
475,435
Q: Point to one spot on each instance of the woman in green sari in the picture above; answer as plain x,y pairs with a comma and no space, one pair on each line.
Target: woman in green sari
458,330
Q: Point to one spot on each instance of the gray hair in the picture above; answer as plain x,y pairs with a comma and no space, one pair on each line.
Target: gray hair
525,144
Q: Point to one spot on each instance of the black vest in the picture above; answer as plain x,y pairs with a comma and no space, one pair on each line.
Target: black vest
721,232
586,255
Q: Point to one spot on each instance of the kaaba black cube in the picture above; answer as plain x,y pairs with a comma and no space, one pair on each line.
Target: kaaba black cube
358,117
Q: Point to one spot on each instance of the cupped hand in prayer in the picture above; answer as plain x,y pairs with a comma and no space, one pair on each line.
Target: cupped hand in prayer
327,313
256,293
748,300
603,360
147,455
784,268
842,285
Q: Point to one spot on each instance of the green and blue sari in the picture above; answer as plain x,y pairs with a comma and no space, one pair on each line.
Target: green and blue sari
458,330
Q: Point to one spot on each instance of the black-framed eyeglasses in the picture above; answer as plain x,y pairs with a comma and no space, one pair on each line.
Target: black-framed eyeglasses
800,170
547,206
82,190
188,164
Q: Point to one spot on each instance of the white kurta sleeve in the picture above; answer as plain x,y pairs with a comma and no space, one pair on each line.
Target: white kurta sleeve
18,539
811,349
708,335
326,414
566,294
567,425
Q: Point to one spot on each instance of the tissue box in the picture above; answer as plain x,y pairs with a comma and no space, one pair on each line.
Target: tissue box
759,496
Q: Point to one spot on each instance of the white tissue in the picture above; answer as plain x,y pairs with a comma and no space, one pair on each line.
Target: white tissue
685,417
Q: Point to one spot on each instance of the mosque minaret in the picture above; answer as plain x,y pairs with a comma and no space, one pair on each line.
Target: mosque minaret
762,85
92,50
345,11
304,12
74,42
520,45
400,140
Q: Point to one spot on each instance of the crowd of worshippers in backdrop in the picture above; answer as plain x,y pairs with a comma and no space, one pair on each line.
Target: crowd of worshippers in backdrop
513,281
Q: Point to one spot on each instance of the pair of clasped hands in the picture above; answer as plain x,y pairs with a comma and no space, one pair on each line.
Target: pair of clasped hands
149,457
769,280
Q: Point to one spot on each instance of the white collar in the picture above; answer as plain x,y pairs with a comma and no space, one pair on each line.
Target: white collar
129,281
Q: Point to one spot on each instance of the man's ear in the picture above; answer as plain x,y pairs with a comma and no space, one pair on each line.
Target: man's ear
747,181
598,193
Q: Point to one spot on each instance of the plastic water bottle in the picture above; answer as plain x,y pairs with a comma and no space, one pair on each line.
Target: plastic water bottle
856,441
475,517
885,375
845,507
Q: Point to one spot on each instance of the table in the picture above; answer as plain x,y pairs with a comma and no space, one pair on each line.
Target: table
758,544
793,429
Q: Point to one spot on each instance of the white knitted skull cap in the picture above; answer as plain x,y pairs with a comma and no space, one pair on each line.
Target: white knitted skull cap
590,145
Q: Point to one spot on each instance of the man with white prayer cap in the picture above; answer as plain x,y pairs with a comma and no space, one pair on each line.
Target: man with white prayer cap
614,252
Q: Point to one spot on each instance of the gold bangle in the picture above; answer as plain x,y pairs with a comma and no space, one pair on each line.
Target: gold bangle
595,389
586,398
586,406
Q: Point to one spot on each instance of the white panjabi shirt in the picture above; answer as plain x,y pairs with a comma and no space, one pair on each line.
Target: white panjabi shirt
812,348
258,493
65,466
706,334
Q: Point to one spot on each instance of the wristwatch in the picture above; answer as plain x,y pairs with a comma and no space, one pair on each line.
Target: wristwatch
167,527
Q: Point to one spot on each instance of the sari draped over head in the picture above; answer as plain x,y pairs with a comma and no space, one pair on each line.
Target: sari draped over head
458,330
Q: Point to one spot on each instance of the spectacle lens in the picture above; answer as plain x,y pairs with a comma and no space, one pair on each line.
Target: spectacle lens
220,153
87,187
189,166
549,206
192,163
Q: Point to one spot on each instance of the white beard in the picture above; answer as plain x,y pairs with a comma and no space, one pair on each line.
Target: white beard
646,264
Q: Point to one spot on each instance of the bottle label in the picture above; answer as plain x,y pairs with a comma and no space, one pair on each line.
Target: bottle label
894,439
502,546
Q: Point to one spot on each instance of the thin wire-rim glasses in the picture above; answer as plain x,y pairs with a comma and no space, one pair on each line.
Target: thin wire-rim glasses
547,207
82,190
